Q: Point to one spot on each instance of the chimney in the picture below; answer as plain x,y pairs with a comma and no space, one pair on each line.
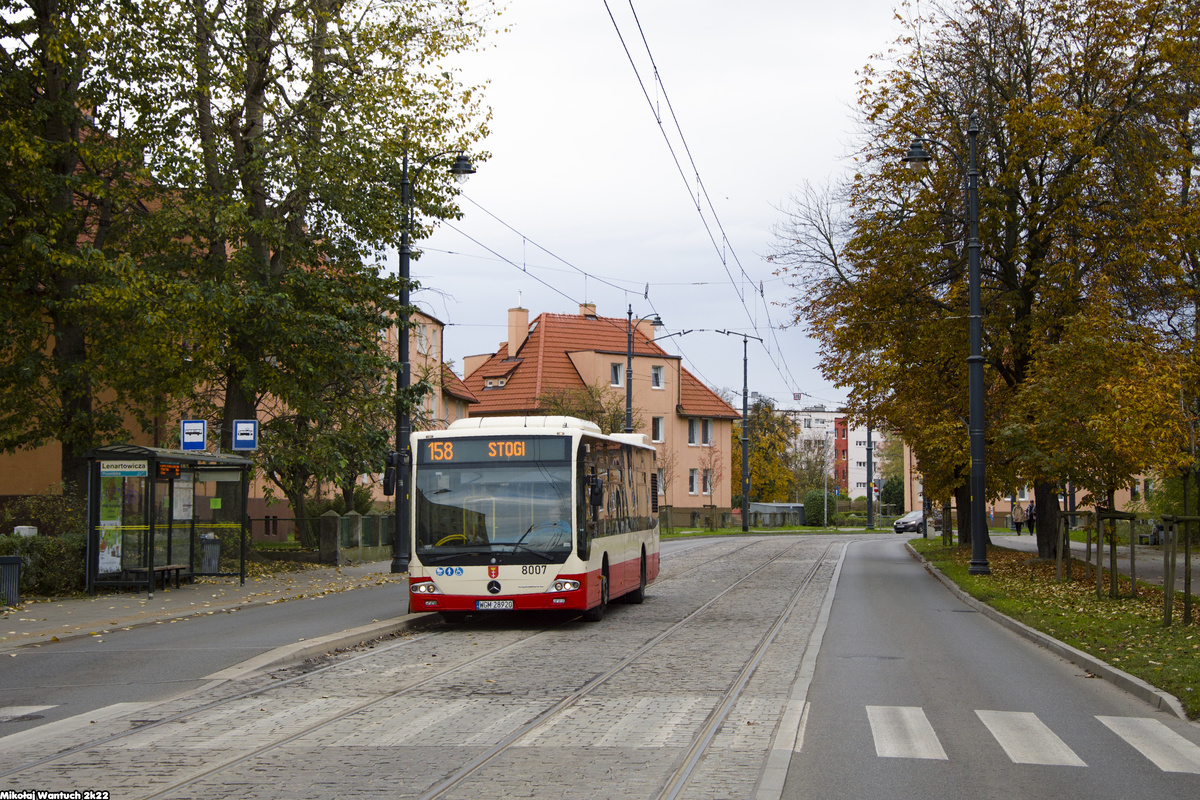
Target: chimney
587,309
518,329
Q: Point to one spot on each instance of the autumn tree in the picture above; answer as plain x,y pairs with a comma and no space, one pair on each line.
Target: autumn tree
772,439
1079,223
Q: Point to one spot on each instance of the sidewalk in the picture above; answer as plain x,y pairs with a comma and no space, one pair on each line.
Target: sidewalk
1149,558
36,622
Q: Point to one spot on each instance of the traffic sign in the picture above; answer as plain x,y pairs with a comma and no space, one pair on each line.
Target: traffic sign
245,434
193,434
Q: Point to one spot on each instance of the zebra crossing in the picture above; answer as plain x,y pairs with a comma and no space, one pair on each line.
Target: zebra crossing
897,731
905,732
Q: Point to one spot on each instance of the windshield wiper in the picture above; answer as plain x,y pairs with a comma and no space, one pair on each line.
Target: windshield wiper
526,547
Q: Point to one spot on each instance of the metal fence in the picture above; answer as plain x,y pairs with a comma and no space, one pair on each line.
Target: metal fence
376,531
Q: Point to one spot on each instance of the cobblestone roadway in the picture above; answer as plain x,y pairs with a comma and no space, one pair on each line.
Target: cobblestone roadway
621,741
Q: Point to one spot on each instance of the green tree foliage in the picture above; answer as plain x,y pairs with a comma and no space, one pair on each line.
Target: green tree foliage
283,191
892,493
207,192
772,439
815,503
1085,112
70,184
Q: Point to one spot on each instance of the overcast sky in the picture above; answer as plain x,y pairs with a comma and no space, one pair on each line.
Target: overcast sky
763,91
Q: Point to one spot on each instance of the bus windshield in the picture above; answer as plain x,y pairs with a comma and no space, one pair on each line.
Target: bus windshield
515,512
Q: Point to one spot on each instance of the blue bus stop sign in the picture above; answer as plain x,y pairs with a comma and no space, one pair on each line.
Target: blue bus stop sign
193,434
245,434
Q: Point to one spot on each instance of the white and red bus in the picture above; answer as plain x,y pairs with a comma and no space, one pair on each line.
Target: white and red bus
531,513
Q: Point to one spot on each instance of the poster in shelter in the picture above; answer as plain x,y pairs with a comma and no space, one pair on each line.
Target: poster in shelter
112,491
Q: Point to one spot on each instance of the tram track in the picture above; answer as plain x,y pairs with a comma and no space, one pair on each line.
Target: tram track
309,673
466,771
679,777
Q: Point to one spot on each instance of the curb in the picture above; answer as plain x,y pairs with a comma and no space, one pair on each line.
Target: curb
323,645
1122,680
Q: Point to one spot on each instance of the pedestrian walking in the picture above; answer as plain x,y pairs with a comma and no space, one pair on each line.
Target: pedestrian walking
1031,519
1018,515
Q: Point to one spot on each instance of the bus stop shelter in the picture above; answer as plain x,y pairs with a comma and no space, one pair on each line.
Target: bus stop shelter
155,514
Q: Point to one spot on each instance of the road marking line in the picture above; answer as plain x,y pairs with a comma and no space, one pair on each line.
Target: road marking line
903,732
1169,751
1027,740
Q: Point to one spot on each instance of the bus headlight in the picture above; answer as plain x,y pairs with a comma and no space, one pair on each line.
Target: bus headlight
564,586
424,587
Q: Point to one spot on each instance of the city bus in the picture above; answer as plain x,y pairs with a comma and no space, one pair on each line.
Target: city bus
531,513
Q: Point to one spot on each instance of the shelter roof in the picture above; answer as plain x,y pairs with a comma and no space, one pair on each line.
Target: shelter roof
134,452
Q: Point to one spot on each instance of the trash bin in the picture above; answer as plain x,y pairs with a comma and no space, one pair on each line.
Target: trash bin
210,554
10,580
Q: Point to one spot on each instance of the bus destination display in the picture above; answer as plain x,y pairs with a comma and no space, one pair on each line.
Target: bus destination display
493,448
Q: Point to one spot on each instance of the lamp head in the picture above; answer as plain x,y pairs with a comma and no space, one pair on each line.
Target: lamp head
917,157
462,169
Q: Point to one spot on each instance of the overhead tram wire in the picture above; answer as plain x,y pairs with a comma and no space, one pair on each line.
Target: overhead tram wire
691,160
517,266
608,282
725,239
558,291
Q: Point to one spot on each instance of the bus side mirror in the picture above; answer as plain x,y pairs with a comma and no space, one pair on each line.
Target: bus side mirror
595,492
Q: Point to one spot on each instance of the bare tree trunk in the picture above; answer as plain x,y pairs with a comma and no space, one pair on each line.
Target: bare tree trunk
1045,498
962,503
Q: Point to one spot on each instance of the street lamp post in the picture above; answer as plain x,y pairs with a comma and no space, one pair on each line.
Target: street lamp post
629,374
825,495
917,158
745,427
401,459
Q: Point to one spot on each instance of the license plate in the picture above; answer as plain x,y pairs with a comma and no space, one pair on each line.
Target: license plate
492,605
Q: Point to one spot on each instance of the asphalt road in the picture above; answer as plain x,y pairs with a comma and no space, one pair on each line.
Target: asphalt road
916,695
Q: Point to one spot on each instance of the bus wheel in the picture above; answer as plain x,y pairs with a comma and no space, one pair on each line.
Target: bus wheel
596,614
639,594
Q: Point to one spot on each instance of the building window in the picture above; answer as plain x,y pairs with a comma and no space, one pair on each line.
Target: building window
656,429
707,485
614,375
693,433
656,378
693,477
808,422
662,481
706,432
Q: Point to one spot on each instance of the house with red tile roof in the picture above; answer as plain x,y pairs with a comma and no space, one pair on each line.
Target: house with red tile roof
689,424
